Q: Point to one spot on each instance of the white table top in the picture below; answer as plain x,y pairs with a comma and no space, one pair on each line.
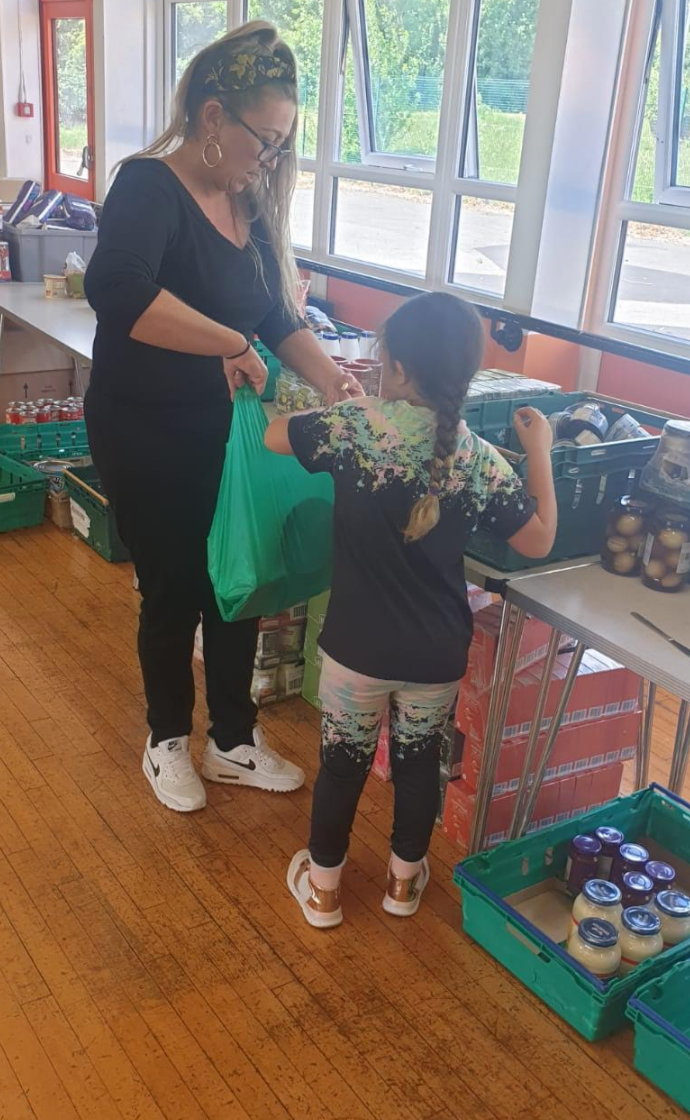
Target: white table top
69,323
478,572
593,606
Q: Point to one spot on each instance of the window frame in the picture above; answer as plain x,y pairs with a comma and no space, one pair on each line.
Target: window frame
54,179
674,29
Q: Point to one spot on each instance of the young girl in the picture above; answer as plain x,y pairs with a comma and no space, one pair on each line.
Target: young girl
412,484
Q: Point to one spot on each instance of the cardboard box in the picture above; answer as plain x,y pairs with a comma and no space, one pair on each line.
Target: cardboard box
555,802
48,384
602,689
578,748
452,752
482,656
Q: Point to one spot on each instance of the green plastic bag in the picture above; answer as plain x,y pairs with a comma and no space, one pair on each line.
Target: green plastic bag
270,544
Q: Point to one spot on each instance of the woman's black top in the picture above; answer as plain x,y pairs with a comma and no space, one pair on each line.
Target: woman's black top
153,236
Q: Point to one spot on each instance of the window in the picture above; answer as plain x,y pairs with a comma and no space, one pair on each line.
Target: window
194,25
67,49
651,278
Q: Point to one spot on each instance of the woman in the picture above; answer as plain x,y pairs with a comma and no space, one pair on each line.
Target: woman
194,257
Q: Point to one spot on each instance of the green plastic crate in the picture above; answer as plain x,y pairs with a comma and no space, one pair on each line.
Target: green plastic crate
22,495
92,518
661,1013
588,480
28,442
592,1007
273,366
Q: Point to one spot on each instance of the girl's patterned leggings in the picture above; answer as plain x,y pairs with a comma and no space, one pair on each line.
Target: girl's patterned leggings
353,707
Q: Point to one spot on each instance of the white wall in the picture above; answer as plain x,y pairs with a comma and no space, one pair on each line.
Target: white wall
21,140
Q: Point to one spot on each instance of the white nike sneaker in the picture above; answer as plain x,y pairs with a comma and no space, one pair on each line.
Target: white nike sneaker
170,770
251,765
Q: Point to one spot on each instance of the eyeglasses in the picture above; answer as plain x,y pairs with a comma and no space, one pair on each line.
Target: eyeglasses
270,153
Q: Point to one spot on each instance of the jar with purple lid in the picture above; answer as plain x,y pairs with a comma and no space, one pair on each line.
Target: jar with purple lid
610,840
637,889
630,857
662,874
583,862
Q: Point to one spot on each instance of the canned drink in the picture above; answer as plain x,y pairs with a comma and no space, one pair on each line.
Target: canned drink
626,427
54,469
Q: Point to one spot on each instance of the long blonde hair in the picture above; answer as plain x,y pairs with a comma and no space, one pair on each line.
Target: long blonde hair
270,199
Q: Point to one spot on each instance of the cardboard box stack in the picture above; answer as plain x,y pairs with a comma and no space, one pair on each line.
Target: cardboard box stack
598,735
316,616
279,663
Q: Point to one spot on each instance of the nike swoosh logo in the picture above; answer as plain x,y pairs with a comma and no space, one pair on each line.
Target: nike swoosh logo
156,769
245,765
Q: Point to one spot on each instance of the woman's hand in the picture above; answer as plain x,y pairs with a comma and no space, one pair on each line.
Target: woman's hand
343,387
534,431
246,370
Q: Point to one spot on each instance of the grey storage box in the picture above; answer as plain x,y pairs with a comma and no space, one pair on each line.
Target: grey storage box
35,253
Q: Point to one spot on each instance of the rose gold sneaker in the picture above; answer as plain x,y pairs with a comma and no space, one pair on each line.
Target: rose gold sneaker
404,895
321,908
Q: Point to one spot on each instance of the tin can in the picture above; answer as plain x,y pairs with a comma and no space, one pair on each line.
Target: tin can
13,412
44,402
626,427
588,416
54,470
586,438
44,415
70,412
5,270
559,422
29,416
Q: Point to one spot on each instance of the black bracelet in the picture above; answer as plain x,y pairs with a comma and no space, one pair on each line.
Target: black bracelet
234,357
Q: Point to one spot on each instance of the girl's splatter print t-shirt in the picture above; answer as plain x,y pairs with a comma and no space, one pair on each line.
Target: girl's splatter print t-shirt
399,611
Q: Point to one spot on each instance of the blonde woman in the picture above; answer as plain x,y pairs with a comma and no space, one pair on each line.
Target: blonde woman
194,257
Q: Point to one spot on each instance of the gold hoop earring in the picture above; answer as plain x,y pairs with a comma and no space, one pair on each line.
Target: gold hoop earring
212,142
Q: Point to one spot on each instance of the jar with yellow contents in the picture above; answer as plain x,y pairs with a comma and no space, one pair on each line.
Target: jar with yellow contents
626,533
666,556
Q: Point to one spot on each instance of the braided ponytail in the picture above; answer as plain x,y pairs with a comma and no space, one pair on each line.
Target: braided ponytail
438,340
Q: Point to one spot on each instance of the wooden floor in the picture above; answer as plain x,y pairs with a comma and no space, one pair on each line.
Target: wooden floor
153,964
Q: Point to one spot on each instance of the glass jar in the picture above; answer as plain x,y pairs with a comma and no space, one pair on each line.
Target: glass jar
626,533
630,857
662,874
610,840
599,899
637,889
673,910
666,556
594,944
667,474
583,863
640,938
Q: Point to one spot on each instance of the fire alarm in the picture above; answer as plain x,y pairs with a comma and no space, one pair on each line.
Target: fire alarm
25,109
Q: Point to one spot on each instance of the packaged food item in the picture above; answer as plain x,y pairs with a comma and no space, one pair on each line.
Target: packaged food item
5,270
667,474
666,555
292,641
626,427
268,646
637,889
583,863
368,344
560,424
55,471
630,857
598,899
594,944
640,938
290,679
663,876
28,194
318,320
13,412
55,287
587,416
610,840
265,686
626,534
673,911
330,342
44,206
349,345
587,439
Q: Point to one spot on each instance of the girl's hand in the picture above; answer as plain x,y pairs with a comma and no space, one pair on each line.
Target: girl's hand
533,430
344,387
247,370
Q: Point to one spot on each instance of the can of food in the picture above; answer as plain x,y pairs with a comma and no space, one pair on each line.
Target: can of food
5,270
587,416
626,427
44,414
586,438
69,412
13,412
54,469
564,443
44,402
55,410
559,422
29,415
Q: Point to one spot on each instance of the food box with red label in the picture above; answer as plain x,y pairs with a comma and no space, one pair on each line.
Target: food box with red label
482,656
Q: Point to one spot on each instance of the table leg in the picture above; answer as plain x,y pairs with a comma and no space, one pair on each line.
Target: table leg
681,750
644,744
535,730
554,728
78,382
512,623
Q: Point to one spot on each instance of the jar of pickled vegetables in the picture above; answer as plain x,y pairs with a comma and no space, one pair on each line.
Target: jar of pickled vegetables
666,556
626,533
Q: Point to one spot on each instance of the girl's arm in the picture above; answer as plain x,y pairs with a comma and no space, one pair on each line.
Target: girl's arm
536,538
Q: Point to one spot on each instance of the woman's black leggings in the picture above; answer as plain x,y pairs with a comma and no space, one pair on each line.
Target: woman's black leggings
161,470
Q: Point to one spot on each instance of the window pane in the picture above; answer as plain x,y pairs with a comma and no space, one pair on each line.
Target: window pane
483,243
69,46
681,176
195,26
383,225
350,147
655,280
505,45
643,178
302,218
301,25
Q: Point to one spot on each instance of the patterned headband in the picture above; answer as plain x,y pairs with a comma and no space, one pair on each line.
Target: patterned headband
251,68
